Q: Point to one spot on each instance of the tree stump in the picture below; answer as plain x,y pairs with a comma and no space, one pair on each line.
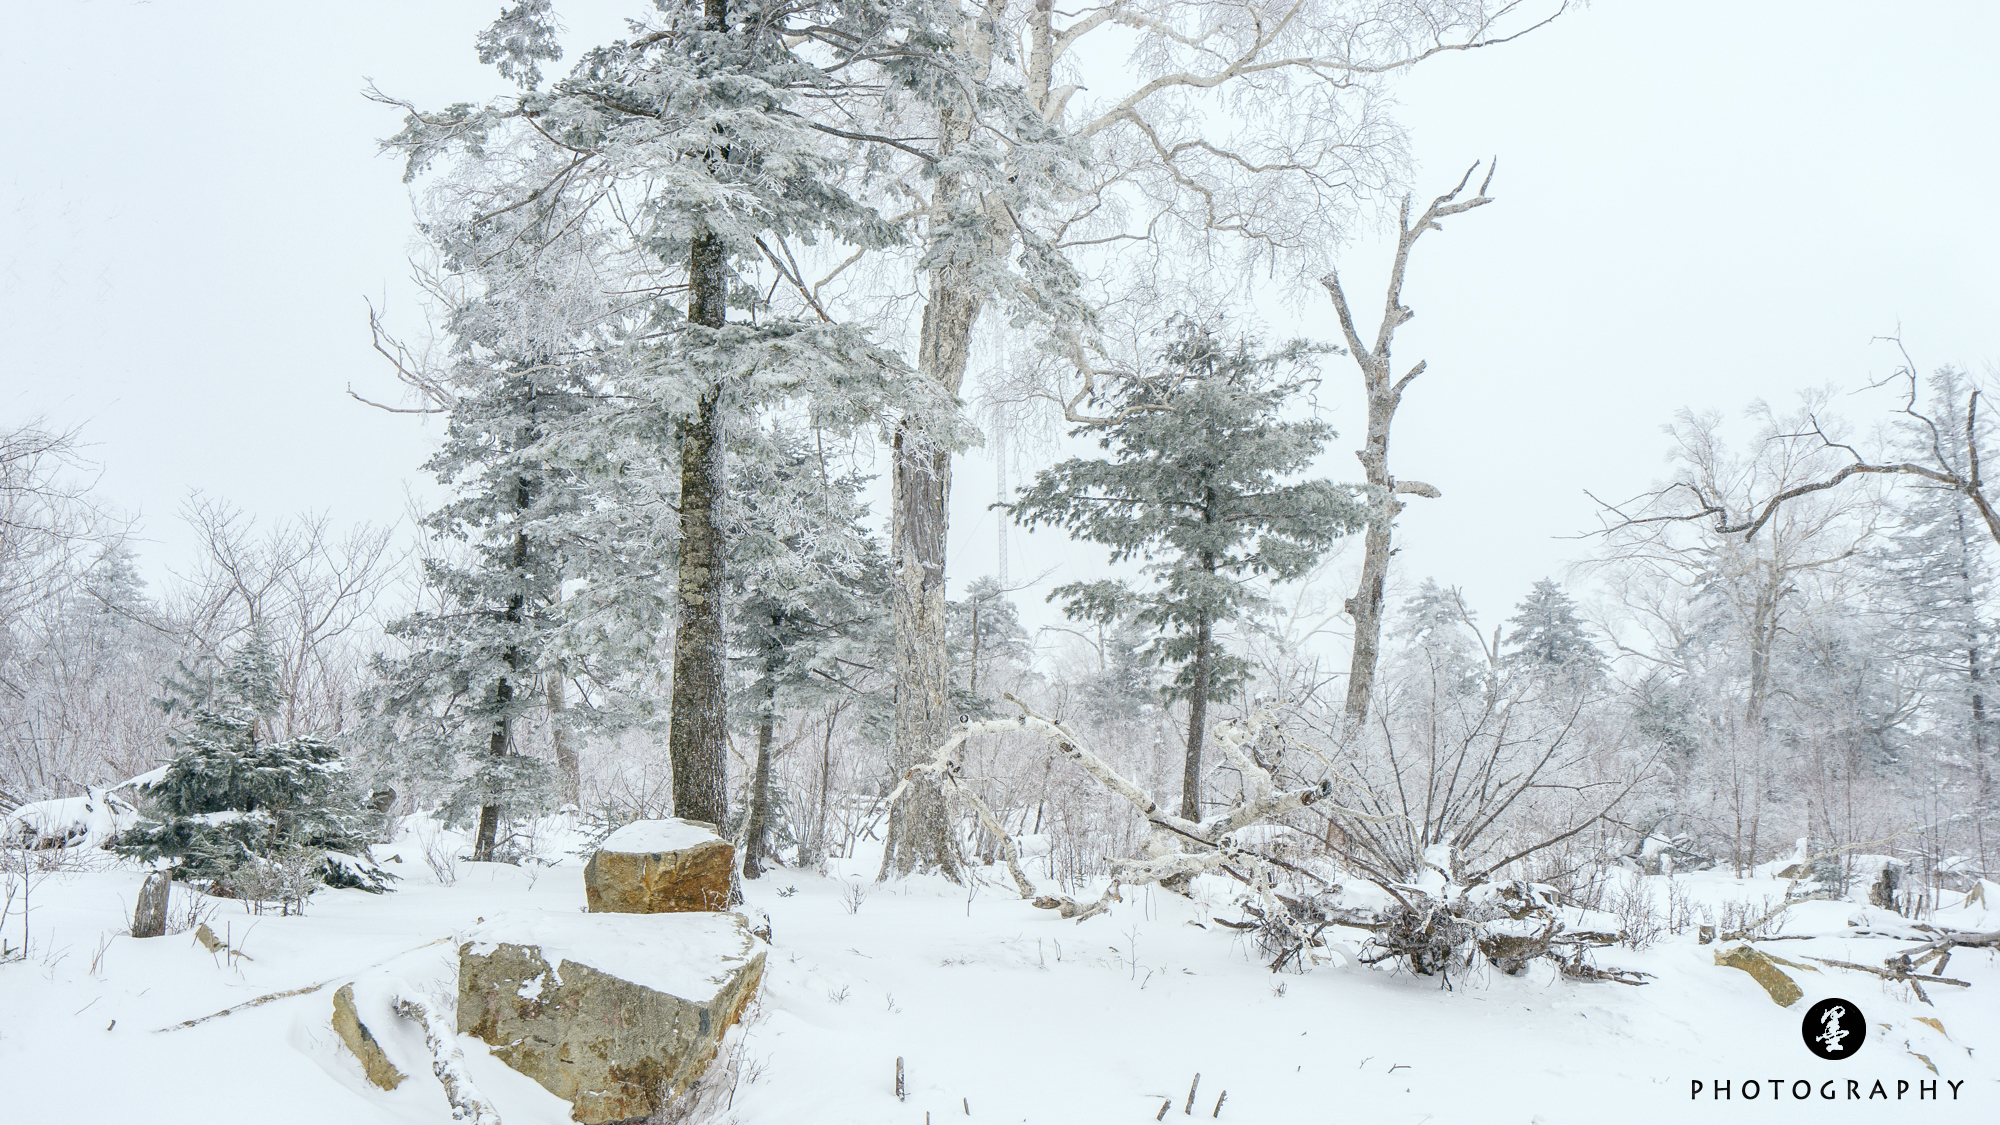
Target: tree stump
149,916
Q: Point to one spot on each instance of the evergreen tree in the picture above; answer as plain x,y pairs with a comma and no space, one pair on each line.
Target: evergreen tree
1439,629
1549,639
695,139
1937,581
1126,681
986,634
1194,487
808,580
233,805
542,574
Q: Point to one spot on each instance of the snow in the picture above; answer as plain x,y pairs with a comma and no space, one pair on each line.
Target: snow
671,835
85,821
685,955
992,1004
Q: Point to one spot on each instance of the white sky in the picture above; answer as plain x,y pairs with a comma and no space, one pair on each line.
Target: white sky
1699,203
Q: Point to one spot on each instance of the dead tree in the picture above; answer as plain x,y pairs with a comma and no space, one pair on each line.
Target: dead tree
1385,394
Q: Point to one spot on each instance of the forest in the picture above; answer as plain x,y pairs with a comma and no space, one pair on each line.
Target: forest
704,319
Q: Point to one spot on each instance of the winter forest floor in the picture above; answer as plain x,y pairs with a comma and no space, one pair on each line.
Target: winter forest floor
1001,1012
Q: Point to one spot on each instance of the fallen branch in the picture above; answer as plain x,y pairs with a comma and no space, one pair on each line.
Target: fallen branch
266,999
448,1063
1176,848
1890,974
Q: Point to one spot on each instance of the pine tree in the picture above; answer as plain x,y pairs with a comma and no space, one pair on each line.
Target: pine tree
807,579
1549,639
234,806
1439,628
1194,488
985,633
695,141
538,580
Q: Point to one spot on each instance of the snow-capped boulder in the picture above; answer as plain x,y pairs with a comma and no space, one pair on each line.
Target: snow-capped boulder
660,867
613,1013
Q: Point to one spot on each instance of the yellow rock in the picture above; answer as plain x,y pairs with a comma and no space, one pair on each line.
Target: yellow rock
347,1024
1784,991
660,867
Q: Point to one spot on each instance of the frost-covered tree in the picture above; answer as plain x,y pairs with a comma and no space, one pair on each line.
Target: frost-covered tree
699,142
1234,135
807,579
235,805
1196,486
1549,638
1442,640
986,634
545,568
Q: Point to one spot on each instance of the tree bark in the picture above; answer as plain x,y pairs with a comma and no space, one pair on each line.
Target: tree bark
757,829
698,731
563,740
919,834
1366,604
1204,647
498,744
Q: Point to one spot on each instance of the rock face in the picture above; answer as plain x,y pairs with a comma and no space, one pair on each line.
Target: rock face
614,1014
347,1024
660,867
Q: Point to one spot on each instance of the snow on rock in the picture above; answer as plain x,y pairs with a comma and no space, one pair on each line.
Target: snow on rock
670,835
614,1013
683,954
658,867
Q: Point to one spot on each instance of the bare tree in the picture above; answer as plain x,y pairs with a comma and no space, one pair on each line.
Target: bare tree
46,518
1385,394
1711,546
309,589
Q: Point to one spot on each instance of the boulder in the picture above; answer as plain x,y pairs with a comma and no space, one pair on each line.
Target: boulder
660,867
347,1024
614,1014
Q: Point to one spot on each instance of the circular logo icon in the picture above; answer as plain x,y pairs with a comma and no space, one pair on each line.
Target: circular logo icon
1834,1029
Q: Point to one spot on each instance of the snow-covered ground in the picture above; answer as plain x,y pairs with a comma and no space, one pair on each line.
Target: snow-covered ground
1000,1012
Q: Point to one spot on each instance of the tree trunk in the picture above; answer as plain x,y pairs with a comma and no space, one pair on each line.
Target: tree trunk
757,828
698,731
488,836
149,914
1204,647
919,835
563,741
1366,609
499,743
